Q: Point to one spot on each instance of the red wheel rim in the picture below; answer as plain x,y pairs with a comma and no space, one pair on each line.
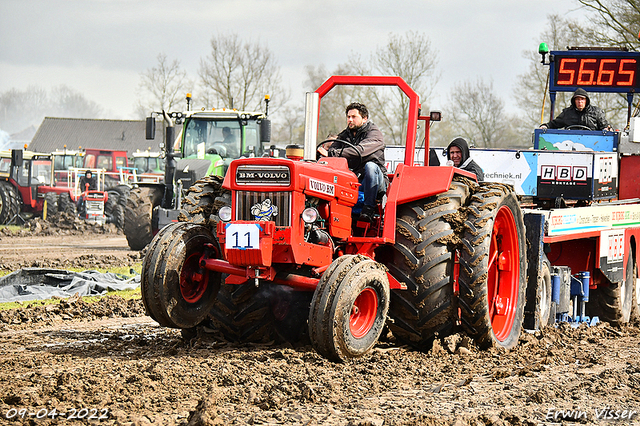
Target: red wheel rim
193,282
503,281
363,313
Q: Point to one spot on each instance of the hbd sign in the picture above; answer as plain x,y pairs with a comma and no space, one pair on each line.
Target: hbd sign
563,173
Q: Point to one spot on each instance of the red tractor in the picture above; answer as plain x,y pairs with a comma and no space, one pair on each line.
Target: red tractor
288,259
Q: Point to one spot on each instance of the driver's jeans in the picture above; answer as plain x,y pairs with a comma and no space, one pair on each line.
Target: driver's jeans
372,183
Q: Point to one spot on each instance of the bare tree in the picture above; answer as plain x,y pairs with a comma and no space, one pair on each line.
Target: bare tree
409,56
477,114
530,93
239,74
332,107
67,102
614,22
20,109
290,128
162,87
531,87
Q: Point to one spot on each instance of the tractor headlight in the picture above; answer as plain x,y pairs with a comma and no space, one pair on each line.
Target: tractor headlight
310,215
224,213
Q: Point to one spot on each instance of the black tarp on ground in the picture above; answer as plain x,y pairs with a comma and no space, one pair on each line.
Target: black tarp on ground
41,283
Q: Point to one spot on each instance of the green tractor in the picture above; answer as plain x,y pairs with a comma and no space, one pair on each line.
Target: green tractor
206,144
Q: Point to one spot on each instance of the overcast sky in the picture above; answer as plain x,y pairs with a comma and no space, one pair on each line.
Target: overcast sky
100,47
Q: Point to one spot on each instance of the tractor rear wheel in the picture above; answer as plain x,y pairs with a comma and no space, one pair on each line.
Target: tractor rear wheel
493,268
66,204
176,291
614,303
203,200
423,259
138,216
9,202
349,309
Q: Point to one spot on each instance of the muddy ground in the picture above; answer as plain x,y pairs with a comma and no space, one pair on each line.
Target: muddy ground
110,360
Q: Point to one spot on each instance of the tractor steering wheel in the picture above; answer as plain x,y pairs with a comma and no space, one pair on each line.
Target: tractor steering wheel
577,127
358,163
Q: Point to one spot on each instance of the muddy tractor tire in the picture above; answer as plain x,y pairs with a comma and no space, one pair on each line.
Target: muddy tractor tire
203,200
543,294
349,308
138,215
66,204
423,259
614,303
631,275
51,204
116,215
176,291
493,268
10,204
242,313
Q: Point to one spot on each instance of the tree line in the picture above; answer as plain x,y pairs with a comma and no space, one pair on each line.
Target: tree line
238,73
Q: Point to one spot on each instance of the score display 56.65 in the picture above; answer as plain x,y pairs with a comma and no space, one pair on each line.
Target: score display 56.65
593,70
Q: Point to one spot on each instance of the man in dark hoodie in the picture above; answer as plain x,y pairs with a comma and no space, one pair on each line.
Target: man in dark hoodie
367,139
458,154
580,113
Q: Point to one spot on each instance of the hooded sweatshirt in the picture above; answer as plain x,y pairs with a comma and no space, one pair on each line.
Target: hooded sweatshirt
467,163
591,116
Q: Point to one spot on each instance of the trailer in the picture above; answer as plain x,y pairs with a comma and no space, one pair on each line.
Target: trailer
579,191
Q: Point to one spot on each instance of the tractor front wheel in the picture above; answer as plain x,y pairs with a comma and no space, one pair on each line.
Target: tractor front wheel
493,268
176,291
349,309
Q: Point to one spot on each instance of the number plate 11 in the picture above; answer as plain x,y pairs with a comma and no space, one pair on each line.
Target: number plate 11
243,236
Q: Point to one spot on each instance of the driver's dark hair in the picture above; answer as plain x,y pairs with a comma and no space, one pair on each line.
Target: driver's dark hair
364,112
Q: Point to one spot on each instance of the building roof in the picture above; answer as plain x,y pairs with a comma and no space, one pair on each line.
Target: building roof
129,135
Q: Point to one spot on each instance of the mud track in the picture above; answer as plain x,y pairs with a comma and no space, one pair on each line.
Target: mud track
109,356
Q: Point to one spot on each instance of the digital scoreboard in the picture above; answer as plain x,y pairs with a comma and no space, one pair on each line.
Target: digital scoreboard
595,71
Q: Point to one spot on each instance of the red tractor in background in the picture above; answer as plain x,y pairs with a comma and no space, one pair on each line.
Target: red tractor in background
287,259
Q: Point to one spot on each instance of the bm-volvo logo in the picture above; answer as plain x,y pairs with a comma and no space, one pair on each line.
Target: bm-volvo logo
252,175
263,175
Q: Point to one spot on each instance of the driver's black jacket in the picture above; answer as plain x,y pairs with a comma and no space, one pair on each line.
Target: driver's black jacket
84,181
367,140
591,116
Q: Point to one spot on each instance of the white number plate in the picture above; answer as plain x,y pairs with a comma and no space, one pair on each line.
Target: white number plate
243,236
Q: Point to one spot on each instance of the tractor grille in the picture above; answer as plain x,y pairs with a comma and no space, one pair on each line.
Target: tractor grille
245,200
95,206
